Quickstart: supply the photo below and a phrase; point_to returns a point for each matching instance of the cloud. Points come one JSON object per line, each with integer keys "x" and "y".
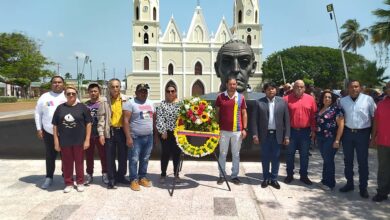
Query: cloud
{"x": 49, "y": 34}
{"x": 61, "y": 35}
{"x": 79, "y": 54}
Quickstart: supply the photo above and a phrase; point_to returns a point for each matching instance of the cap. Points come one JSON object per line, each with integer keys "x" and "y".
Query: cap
{"x": 142, "y": 86}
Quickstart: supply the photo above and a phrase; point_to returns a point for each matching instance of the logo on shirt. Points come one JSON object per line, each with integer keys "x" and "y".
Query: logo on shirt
{"x": 69, "y": 121}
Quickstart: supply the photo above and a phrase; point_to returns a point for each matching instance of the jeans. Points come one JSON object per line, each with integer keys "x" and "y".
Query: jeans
{"x": 270, "y": 152}
{"x": 359, "y": 141}
{"x": 328, "y": 153}
{"x": 235, "y": 140}
{"x": 299, "y": 140}
{"x": 169, "y": 148}
{"x": 140, "y": 152}
{"x": 117, "y": 143}
{"x": 51, "y": 154}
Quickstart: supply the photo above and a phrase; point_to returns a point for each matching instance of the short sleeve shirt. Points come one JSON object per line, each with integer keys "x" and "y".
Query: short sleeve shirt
{"x": 358, "y": 113}
{"x": 326, "y": 122}
{"x": 141, "y": 121}
{"x": 93, "y": 108}
{"x": 71, "y": 123}
{"x": 230, "y": 117}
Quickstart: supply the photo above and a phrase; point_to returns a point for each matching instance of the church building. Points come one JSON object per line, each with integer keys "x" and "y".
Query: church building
{"x": 187, "y": 59}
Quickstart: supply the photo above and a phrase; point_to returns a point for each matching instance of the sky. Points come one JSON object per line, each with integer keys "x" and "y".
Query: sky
{"x": 101, "y": 29}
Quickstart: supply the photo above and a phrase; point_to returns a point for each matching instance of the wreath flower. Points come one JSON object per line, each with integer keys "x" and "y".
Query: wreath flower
{"x": 197, "y": 118}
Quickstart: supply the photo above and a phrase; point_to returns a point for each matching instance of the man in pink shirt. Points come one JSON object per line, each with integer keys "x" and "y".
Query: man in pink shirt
{"x": 302, "y": 109}
{"x": 381, "y": 139}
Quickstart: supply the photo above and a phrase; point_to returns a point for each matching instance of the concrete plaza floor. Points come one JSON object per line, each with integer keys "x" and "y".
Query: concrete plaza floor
{"x": 198, "y": 197}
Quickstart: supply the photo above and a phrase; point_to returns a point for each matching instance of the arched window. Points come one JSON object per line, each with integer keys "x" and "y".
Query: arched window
{"x": 137, "y": 13}
{"x": 197, "y": 88}
{"x": 146, "y": 63}
{"x": 256, "y": 17}
{"x": 170, "y": 69}
{"x": 239, "y": 16}
{"x": 154, "y": 14}
{"x": 198, "y": 68}
{"x": 249, "y": 39}
{"x": 146, "y": 38}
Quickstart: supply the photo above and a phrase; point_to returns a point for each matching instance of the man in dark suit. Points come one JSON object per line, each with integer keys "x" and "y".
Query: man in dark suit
{"x": 271, "y": 129}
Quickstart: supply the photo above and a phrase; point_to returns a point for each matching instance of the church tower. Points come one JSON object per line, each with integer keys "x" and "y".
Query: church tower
{"x": 146, "y": 33}
{"x": 246, "y": 21}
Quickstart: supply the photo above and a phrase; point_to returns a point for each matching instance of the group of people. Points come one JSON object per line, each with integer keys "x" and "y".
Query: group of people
{"x": 126, "y": 128}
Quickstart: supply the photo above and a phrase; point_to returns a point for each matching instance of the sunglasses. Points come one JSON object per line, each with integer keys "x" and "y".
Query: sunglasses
{"x": 71, "y": 94}
{"x": 170, "y": 91}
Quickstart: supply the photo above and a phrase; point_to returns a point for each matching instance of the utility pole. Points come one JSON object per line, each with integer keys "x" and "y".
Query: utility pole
{"x": 90, "y": 66}
{"x": 281, "y": 64}
{"x": 331, "y": 11}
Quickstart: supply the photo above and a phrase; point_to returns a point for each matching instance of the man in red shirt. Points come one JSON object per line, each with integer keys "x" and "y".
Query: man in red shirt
{"x": 381, "y": 139}
{"x": 231, "y": 105}
{"x": 302, "y": 109}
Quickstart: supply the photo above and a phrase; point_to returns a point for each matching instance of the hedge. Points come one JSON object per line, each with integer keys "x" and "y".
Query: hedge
{"x": 8, "y": 99}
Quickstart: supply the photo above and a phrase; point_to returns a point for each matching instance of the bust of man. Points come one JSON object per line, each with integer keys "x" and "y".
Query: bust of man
{"x": 236, "y": 59}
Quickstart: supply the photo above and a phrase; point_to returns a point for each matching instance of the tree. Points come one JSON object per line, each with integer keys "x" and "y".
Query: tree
{"x": 68, "y": 76}
{"x": 21, "y": 61}
{"x": 322, "y": 65}
{"x": 353, "y": 38}
{"x": 380, "y": 32}
{"x": 369, "y": 74}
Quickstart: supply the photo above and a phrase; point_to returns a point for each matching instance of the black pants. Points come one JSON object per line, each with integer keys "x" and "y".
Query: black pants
{"x": 51, "y": 154}
{"x": 169, "y": 148}
{"x": 116, "y": 144}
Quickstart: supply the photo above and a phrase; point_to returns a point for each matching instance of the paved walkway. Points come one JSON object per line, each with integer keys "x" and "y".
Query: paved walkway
{"x": 198, "y": 197}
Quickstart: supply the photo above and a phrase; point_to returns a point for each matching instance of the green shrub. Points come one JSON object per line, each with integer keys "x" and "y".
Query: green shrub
{"x": 8, "y": 99}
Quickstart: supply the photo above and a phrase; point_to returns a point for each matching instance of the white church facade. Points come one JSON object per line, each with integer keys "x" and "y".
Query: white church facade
{"x": 187, "y": 59}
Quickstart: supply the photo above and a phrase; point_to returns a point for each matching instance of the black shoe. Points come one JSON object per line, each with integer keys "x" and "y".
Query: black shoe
{"x": 264, "y": 184}
{"x": 364, "y": 193}
{"x": 275, "y": 184}
{"x": 220, "y": 181}
{"x": 111, "y": 185}
{"x": 379, "y": 198}
{"x": 288, "y": 179}
{"x": 236, "y": 181}
{"x": 306, "y": 180}
{"x": 123, "y": 181}
{"x": 346, "y": 188}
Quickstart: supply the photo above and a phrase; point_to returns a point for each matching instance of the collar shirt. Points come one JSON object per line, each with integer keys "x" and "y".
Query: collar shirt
{"x": 271, "y": 119}
{"x": 302, "y": 111}
{"x": 227, "y": 95}
{"x": 116, "y": 108}
{"x": 358, "y": 113}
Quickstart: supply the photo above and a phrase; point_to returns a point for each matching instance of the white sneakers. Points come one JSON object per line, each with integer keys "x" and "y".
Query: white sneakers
{"x": 80, "y": 188}
{"x": 48, "y": 182}
{"x": 68, "y": 189}
{"x": 105, "y": 178}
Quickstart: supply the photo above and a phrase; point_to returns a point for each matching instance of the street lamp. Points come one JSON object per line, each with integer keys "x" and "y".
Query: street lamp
{"x": 90, "y": 66}
{"x": 331, "y": 11}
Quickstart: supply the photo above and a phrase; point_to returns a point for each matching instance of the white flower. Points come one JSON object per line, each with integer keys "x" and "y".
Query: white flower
{"x": 187, "y": 107}
{"x": 198, "y": 121}
{"x": 209, "y": 108}
{"x": 196, "y": 99}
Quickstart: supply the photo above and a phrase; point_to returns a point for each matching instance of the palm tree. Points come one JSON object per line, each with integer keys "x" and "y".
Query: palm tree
{"x": 380, "y": 33}
{"x": 353, "y": 38}
{"x": 370, "y": 74}
{"x": 68, "y": 76}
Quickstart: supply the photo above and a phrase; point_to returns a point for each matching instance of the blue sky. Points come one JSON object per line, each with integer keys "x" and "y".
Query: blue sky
{"x": 101, "y": 29}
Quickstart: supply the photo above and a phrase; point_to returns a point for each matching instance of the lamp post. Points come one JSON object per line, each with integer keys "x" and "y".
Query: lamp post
{"x": 90, "y": 66}
{"x": 77, "y": 74}
{"x": 331, "y": 11}
{"x": 281, "y": 64}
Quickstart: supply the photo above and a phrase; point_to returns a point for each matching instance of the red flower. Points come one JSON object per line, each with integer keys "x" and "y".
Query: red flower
{"x": 190, "y": 113}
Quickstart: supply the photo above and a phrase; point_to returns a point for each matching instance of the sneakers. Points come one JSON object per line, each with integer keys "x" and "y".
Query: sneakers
{"x": 306, "y": 180}
{"x": 105, "y": 178}
{"x": 324, "y": 187}
{"x": 236, "y": 181}
{"x": 48, "y": 182}
{"x": 379, "y": 198}
{"x": 220, "y": 181}
{"x": 68, "y": 189}
{"x": 80, "y": 188}
{"x": 145, "y": 182}
{"x": 135, "y": 186}
{"x": 288, "y": 179}
{"x": 162, "y": 179}
{"x": 88, "y": 179}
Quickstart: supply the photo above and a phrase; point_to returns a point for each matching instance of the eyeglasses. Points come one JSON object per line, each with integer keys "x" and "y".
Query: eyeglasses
{"x": 170, "y": 91}
{"x": 71, "y": 94}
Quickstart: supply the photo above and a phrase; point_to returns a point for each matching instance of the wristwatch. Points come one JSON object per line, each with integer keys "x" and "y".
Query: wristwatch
{"x": 245, "y": 129}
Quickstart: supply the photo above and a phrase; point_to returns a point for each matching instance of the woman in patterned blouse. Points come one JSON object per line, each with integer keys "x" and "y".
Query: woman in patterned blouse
{"x": 330, "y": 126}
{"x": 167, "y": 114}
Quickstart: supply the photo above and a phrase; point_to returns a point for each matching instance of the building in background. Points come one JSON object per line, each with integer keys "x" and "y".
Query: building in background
{"x": 187, "y": 59}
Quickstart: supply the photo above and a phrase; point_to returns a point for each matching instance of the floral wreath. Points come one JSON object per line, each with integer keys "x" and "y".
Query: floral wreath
{"x": 196, "y": 118}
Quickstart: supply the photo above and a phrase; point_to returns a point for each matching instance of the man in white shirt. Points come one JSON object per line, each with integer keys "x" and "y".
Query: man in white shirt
{"x": 359, "y": 112}
{"x": 44, "y": 111}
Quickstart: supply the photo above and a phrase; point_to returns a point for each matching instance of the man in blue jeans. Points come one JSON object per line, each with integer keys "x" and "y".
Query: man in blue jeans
{"x": 138, "y": 121}
{"x": 271, "y": 129}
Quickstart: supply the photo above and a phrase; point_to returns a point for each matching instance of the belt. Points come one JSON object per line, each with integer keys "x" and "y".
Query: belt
{"x": 271, "y": 131}
{"x": 115, "y": 128}
{"x": 298, "y": 129}
{"x": 354, "y": 130}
